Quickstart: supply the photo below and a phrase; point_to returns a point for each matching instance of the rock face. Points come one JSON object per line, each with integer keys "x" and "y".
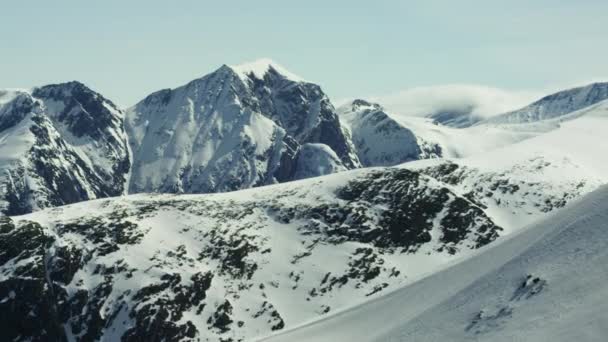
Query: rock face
{"x": 555, "y": 105}
{"x": 235, "y": 128}
{"x": 379, "y": 139}
{"x": 59, "y": 144}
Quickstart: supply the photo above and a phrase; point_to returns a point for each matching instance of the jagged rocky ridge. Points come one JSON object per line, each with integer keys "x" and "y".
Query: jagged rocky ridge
{"x": 59, "y": 144}
{"x": 235, "y": 128}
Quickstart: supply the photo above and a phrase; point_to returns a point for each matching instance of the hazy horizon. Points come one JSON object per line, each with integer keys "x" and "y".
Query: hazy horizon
{"x": 378, "y": 50}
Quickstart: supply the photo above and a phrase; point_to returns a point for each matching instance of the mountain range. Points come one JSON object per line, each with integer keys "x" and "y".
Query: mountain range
{"x": 376, "y": 212}
{"x": 235, "y": 128}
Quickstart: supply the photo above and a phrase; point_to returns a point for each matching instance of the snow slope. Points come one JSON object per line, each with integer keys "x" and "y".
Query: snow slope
{"x": 387, "y": 138}
{"x": 535, "y": 175}
{"x": 547, "y": 283}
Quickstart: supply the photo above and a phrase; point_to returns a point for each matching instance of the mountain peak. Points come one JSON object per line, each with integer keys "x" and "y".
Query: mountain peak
{"x": 261, "y": 66}
{"x": 358, "y": 105}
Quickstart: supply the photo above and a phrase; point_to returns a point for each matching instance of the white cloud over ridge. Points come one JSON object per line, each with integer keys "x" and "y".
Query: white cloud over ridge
{"x": 484, "y": 101}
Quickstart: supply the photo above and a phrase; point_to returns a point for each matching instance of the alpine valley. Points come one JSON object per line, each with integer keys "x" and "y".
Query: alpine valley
{"x": 244, "y": 206}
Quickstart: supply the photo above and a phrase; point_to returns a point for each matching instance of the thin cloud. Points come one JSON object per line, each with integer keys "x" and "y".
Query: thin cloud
{"x": 482, "y": 100}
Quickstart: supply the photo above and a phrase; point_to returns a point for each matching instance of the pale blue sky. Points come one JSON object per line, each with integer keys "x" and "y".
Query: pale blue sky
{"x": 127, "y": 49}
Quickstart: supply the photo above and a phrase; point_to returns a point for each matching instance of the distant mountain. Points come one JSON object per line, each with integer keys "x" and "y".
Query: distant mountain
{"x": 379, "y": 139}
{"x": 554, "y": 105}
{"x": 59, "y": 144}
{"x": 244, "y": 264}
{"x": 235, "y": 128}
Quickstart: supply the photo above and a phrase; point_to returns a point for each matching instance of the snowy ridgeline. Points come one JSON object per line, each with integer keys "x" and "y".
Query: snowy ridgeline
{"x": 235, "y": 128}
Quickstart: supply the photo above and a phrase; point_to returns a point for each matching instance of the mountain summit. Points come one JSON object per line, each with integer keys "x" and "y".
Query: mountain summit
{"x": 235, "y": 128}
{"x": 260, "y": 67}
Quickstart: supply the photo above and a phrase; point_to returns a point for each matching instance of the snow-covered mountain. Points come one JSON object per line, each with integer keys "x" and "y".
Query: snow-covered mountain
{"x": 243, "y": 264}
{"x": 554, "y": 105}
{"x": 379, "y": 139}
{"x": 385, "y": 138}
{"x": 547, "y": 283}
{"x": 59, "y": 144}
{"x": 238, "y": 127}
{"x": 235, "y": 128}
